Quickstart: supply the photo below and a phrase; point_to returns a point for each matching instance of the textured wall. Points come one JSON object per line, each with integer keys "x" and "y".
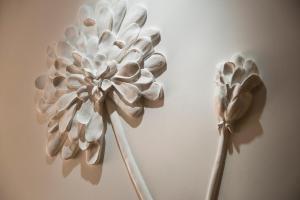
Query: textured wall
{"x": 174, "y": 145}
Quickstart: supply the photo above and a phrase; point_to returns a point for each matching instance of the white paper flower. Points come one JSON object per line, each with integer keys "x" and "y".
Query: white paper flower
{"x": 236, "y": 81}
{"x": 107, "y": 54}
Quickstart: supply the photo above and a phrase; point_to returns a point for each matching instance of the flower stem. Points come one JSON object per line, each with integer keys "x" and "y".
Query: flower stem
{"x": 133, "y": 171}
{"x": 218, "y": 167}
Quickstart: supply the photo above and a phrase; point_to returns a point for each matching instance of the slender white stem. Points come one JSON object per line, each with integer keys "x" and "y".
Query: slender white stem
{"x": 130, "y": 163}
{"x": 218, "y": 167}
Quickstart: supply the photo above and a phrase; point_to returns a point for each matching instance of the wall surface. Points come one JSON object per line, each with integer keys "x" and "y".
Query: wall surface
{"x": 174, "y": 145}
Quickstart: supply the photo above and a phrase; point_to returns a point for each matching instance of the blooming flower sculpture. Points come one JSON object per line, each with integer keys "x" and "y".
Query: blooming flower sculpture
{"x": 106, "y": 56}
{"x": 236, "y": 81}
{"x": 99, "y": 58}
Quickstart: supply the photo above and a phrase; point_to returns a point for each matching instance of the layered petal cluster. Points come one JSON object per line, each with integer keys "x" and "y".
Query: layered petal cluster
{"x": 107, "y": 54}
{"x": 236, "y": 81}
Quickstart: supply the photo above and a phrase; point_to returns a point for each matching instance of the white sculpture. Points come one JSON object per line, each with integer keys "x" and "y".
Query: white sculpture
{"x": 236, "y": 81}
{"x": 106, "y": 61}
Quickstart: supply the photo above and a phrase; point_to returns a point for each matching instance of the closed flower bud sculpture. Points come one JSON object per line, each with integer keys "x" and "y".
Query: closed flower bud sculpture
{"x": 235, "y": 83}
{"x": 105, "y": 65}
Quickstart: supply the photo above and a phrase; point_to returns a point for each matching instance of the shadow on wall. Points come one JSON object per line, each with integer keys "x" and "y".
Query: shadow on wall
{"x": 134, "y": 114}
{"x": 90, "y": 173}
{"x": 93, "y": 173}
{"x": 249, "y": 127}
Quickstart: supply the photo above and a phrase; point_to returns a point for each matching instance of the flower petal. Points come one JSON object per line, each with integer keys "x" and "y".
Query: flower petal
{"x": 84, "y": 12}
{"x": 106, "y": 85}
{"x": 220, "y": 100}
{"x": 238, "y": 60}
{"x": 100, "y": 65}
{"x": 237, "y": 76}
{"x": 137, "y": 14}
{"x": 227, "y": 71}
{"x": 237, "y": 108}
{"x": 130, "y": 72}
{"x": 81, "y": 43}
{"x": 51, "y": 54}
{"x": 83, "y": 93}
{"x": 112, "y": 66}
{"x": 133, "y": 55}
{"x": 250, "y": 67}
{"x": 145, "y": 80}
{"x": 83, "y": 145}
{"x": 75, "y": 81}
{"x": 73, "y": 133}
{"x": 144, "y": 45}
{"x": 50, "y": 94}
{"x": 124, "y": 109}
{"x": 41, "y": 81}
{"x": 45, "y": 109}
{"x": 94, "y": 151}
{"x": 88, "y": 67}
{"x": 156, "y": 64}
{"x": 154, "y": 93}
{"x": 129, "y": 34}
{"x": 77, "y": 56}
{"x": 106, "y": 40}
{"x": 65, "y": 121}
{"x": 57, "y": 81}
{"x": 250, "y": 83}
{"x": 61, "y": 63}
{"x": 52, "y": 125}
{"x": 99, "y": 59}
{"x": 64, "y": 50}
{"x": 65, "y": 101}
{"x": 54, "y": 143}
{"x": 69, "y": 150}
{"x": 104, "y": 16}
{"x": 106, "y": 45}
{"x": 84, "y": 114}
{"x": 92, "y": 46}
{"x": 228, "y": 68}
{"x": 95, "y": 128}
{"x": 152, "y": 33}
{"x": 113, "y": 53}
{"x": 127, "y": 92}
{"x": 71, "y": 34}
{"x": 89, "y": 22}
{"x": 73, "y": 69}
{"x": 119, "y": 9}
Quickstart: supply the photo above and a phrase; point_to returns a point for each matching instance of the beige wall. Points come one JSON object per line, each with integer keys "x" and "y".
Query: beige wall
{"x": 174, "y": 145}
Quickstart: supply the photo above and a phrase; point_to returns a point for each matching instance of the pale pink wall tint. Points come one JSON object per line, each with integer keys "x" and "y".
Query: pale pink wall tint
{"x": 174, "y": 145}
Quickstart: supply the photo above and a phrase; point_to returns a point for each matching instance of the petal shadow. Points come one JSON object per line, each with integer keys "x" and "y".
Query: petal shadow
{"x": 90, "y": 173}
{"x": 248, "y": 128}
